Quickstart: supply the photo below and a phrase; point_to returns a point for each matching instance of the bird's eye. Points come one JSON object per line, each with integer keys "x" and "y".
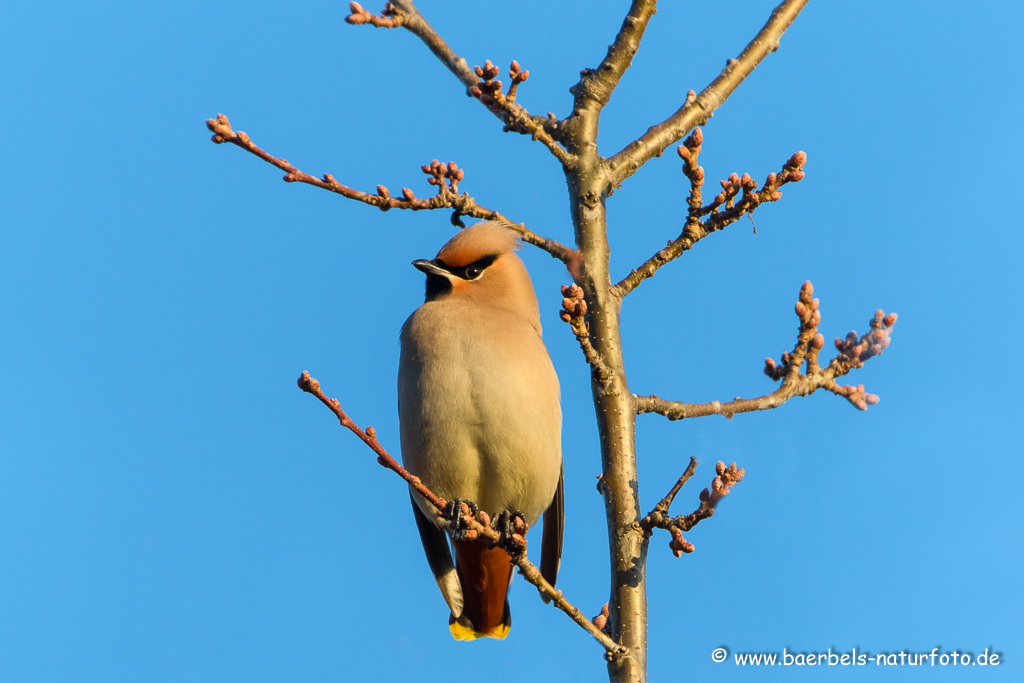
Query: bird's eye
{"x": 473, "y": 272}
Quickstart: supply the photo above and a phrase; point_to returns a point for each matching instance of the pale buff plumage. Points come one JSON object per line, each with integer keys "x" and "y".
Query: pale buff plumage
{"x": 480, "y": 416}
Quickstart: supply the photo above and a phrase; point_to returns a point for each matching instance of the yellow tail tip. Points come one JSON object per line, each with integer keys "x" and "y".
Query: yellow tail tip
{"x": 462, "y": 629}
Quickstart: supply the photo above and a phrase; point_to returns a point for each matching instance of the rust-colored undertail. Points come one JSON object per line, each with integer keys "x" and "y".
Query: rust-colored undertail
{"x": 485, "y": 574}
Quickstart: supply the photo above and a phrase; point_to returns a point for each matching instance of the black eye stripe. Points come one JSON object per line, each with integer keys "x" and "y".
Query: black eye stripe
{"x": 469, "y": 272}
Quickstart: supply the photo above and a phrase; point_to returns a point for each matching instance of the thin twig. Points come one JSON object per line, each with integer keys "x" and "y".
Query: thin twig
{"x": 445, "y": 176}
{"x": 699, "y": 108}
{"x": 403, "y": 13}
{"x": 472, "y": 527}
{"x": 665, "y": 503}
{"x": 721, "y": 485}
{"x": 853, "y": 352}
{"x": 516, "y": 119}
{"x": 739, "y": 196}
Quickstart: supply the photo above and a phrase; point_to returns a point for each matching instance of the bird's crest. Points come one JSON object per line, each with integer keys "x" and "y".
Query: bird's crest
{"x": 476, "y": 242}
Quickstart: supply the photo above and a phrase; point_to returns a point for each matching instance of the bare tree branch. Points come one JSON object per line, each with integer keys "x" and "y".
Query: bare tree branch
{"x": 515, "y": 117}
{"x": 699, "y": 108}
{"x": 445, "y": 176}
{"x": 723, "y": 210}
{"x": 595, "y": 87}
{"x": 658, "y": 518}
{"x": 853, "y": 352}
{"x": 403, "y": 13}
{"x": 470, "y": 527}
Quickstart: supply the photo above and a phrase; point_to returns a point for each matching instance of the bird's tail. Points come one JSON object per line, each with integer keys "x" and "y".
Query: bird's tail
{"x": 485, "y": 574}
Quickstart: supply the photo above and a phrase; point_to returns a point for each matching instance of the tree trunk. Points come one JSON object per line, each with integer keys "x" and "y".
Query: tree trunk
{"x": 616, "y": 419}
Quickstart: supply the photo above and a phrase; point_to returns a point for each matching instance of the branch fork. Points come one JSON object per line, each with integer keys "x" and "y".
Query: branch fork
{"x": 739, "y": 196}
{"x": 726, "y": 477}
{"x": 516, "y": 119}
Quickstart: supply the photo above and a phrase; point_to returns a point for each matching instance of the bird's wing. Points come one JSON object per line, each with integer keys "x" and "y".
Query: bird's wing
{"x": 439, "y": 557}
{"x": 551, "y": 541}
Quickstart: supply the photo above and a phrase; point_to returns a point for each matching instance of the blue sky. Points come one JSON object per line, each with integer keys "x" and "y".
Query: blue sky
{"x": 171, "y": 506}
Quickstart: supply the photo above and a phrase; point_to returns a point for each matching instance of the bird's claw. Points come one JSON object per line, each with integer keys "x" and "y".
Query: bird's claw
{"x": 453, "y": 514}
{"x": 508, "y": 523}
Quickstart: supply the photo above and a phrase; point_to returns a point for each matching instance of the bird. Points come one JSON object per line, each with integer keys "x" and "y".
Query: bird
{"x": 480, "y": 418}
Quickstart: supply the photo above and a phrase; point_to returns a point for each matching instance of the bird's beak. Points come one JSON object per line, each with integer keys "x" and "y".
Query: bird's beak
{"x": 430, "y": 268}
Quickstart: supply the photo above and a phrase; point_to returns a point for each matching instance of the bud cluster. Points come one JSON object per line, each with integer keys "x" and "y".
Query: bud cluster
{"x": 726, "y": 477}
{"x": 739, "y": 195}
{"x": 871, "y": 344}
{"x": 688, "y": 152}
{"x": 809, "y": 341}
{"x": 445, "y": 176}
{"x": 854, "y": 350}
{"x": 574, "y": 308}
{"x": 488, "y": 90}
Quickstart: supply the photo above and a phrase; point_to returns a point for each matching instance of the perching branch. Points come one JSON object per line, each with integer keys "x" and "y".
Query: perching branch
{"x": 853, "y": 352}
{"x": 658, "y": 518}
{"x": 699, "y": 108}
{"x": 723, "y": 210}
{"x": 445, "y": 177}
{"x": 469, "y": 527}
{"x": 403, "y": 13}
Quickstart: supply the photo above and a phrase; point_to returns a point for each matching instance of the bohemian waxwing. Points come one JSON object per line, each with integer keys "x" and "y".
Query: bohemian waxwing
{"x": 480, "y": 418}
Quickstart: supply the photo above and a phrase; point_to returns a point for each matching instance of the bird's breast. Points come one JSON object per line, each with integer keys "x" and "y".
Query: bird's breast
{"x": 479, "y": 409}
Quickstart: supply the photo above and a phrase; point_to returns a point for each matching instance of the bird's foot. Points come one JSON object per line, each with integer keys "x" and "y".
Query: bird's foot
{"x": 453, "y": 514}
{"x": 512, "y": 527}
